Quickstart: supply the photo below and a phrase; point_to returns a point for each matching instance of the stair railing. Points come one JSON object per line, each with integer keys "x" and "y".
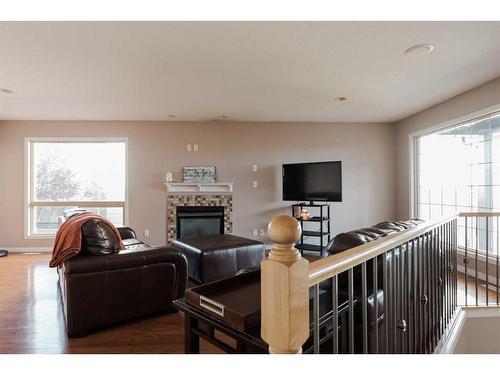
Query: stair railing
{"x": 396, "y": 294}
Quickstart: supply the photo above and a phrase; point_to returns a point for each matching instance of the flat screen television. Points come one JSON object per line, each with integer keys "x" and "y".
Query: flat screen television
{"x": 320, "y": 181}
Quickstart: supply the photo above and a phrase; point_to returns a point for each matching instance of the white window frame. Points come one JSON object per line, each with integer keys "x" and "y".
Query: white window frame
{"x": 412, "y": 142}
{"x": 29, "y": 201}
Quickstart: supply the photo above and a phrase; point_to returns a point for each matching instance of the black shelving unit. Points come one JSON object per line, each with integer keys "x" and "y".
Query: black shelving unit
{"x": 320, "y": 230}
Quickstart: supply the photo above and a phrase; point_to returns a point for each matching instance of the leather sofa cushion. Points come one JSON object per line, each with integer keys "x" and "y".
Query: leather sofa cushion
{"x": 345, "y": 241}
{"x": 98, "y": 238}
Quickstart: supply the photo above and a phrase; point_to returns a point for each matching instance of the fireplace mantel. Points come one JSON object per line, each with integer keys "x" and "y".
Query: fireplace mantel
{"x": 196, "y": 187}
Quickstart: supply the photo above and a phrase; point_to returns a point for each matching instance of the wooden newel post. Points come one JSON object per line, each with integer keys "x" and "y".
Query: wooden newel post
{"x": 284, "y": 289}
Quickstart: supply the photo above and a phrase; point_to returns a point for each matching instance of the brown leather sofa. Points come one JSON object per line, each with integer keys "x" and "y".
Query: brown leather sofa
{"x": 103, "y": 285}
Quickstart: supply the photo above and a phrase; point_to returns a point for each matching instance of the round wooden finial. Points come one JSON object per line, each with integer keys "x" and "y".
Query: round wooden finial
{"x": 284, "y": 231}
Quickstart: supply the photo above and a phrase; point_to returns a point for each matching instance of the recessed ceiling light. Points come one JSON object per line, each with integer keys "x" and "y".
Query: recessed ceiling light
{"x": 419, "y": 50}
{"x": 340, "y": 99}
{"x": 6, "y": 91}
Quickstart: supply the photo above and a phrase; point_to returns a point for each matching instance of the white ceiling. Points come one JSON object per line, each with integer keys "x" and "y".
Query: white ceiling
{"x": 248, "y": 71}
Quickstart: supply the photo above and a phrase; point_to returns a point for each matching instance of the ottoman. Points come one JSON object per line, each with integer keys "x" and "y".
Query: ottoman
{"x": 213, "y": 258}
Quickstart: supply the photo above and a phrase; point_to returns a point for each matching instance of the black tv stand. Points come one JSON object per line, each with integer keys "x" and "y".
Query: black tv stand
{"x": 319, "y": 230}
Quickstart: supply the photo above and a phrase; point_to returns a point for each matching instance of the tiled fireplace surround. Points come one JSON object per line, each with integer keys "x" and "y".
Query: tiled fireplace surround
{"x": 197, "y": 200}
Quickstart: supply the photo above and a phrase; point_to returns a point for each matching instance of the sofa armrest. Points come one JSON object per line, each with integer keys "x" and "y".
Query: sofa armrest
{"x": 126, "y": 233}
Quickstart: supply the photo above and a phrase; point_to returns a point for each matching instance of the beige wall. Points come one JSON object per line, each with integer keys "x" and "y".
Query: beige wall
{"x": 367, "y": 152}
{"x": 477, "y": 99}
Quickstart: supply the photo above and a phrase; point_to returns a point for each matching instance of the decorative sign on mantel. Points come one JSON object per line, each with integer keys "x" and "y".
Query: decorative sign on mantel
{"x": 206, "y": 175}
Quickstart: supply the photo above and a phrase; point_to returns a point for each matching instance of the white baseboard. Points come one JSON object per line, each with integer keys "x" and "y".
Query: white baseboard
{"x": 449, "y": 340}
{"x": 27, "y": 249}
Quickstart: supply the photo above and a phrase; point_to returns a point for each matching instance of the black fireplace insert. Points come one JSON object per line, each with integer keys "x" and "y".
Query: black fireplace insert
{"x": 194, "y": 221}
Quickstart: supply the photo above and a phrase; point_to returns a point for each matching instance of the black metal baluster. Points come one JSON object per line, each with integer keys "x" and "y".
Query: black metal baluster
{"x": 430, "y": 286}
{"x": 432, "y": 297}
{"x": 454, "y": 271}
{"x": 452, "y": 268}
{"x": 335, "y": 315}
{"x": 394, "y": 301}
{"x": 425, "y": 297}
{"x": 437, "y": 287}
{"x": 350, "y": 292}
{"x": 440, "y": 283}
{"x": 385, "y": 286}
{"x": 415, "y": 304}
{"x": 433, "y": 286}
{"x": 408, "y": 296}
{"x": 364, "y": 298}
{"x": 316, "y": 318}
{"x": 375, "y": 301}
{"x": 453, "y": 262}
{"x": 449, "y": 269}
{"x": 421, "y": 293}
{"x": 443, "y": 275}
{"x": 450, "y": 260}
{"x": 416, "y": 295}
{"x": 447, "y": 273}
{"x": 437, "y": 273}
{"x": 400, "y": 298}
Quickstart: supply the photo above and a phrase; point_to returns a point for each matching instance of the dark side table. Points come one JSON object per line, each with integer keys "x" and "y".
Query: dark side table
{"x": 198, "y": 324}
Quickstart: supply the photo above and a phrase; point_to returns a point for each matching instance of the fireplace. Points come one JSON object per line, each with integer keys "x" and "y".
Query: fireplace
{"x": 194, "y": 221}
{"x": 199, "y": 200}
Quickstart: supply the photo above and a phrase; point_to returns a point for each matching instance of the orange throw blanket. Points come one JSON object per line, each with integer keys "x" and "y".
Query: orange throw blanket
{"x": 69, "y": 238}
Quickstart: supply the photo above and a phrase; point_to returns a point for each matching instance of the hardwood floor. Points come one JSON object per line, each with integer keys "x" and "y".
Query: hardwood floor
{"x": 32, "y": 320}
{"x": 471, "y": 292}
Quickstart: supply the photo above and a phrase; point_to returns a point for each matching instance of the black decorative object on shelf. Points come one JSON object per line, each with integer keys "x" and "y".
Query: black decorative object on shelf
{"x": 320, "y": 230}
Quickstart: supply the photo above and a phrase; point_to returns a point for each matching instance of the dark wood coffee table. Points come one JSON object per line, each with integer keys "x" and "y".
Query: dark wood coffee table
{"x": 226, "y": 313}
{"x": 198, "y": 324}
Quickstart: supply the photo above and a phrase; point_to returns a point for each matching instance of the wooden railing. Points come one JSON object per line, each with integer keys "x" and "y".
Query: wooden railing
{"x": 397, "y": 294}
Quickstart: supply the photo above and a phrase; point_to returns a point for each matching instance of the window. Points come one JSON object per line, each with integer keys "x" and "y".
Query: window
{"x": 65, "y": 173}
{"x": 458, "y": 169}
